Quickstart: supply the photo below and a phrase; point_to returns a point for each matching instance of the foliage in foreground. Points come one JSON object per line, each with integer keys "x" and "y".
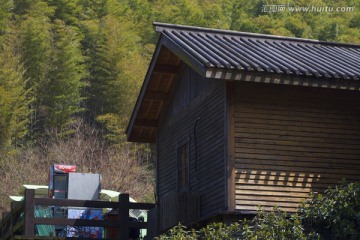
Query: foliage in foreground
{"x": 334, "y": 214}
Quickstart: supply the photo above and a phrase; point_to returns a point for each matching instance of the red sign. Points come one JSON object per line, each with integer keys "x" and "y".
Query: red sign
{"x": 60, "y": 168}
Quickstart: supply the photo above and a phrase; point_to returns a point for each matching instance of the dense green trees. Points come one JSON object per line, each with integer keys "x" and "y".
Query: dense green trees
{"x": 88, "y": 58}
{"x": 54, "y": 66}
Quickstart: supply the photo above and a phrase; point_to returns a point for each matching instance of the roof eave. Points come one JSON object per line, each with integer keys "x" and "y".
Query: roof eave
{"x": 142, "y": 91}
{"x": 164, "y": 41}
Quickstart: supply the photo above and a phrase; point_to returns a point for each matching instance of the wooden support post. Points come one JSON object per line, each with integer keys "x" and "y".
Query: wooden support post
{"x": 230, "y": 170}
{"x": 29, "y": 214}
{"x": 13, "y": 219}
{"x": 123, "y": 216}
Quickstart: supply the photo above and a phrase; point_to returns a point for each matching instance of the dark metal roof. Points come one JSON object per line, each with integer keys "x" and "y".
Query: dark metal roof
{"x": 239, "y": 56}
{"x": 230, "y": 50}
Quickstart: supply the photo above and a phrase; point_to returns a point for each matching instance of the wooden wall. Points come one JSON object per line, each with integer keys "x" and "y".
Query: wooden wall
{"x": 202, "y": 99}
{"x": 290, "y": 140}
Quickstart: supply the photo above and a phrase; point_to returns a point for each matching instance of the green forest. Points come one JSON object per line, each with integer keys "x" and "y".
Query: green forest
{"x": 70, "y": 72}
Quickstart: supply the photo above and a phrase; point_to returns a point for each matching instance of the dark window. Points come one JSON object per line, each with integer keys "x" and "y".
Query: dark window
{"x": 183, "y": 167}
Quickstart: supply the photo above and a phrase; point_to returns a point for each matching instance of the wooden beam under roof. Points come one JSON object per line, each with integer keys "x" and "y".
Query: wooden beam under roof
{"x": 156, "y": 96}
{"x": 145, "y": 123}
{"x": 164, "y": 68}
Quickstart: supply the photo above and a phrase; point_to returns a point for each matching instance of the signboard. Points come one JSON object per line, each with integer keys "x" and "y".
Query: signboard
{"x": 61, "y": 168}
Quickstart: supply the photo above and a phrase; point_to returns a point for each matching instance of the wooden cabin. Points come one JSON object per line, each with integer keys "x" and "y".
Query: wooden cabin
{"x": 242, "y": 120}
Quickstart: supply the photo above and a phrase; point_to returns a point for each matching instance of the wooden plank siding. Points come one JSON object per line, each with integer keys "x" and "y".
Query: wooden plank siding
{"x": 195, "y": 116}
{"x": 290, "y": 140}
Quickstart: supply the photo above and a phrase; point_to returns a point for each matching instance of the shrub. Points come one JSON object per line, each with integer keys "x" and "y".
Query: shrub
{"x": 276, "y": 225}
{"x": 337, "y": 211}
{"x": 335, "y": 214}
{"x": 178, "y": 232}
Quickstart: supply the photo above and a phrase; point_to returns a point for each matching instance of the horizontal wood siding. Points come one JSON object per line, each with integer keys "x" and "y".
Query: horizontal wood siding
{"x": 203, "y": 99}
{"x": 181, "y": 207}
{"x": 290, "y": 140}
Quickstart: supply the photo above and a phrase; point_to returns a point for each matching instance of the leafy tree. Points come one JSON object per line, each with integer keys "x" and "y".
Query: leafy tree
{"x": 63, "y": 98}
{"x": 141, "y": 15}
{"x": 180, "y": 12}
{"x": 329, "y": 32}
{"x": 350, "y": 35}
{"x": 98, "y": 67}
{"x": 297, "y": 27}
{"x": 117, "y": 71}
{"x": 14, "y": 98}
{"x": 5, "y": 12}
{"x": 66, "y": 10}
{"x": 36, "y": 46}
{"x": 91, "y": 10}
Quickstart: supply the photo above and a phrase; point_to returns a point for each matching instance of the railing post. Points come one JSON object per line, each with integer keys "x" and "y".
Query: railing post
{"x": 29, "y": 213}
{"x": 123, "y": 216}
{"x": 13, "y": 219}
{"x": 3, "y": 225}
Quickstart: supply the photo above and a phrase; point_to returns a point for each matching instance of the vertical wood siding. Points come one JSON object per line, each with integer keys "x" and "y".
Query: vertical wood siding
{"x": 290, "y": 140}
{"x": 194, "y": 98}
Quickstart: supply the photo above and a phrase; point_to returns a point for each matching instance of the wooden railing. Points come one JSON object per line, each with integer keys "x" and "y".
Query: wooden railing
{"x": 22, "y": 221}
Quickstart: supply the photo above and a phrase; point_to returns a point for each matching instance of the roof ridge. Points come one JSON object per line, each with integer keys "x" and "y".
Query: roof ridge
{"x": 160, "y": 27}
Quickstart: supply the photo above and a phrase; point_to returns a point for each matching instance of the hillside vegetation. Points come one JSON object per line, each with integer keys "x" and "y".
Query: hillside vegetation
{"x": 70, "y": 72}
